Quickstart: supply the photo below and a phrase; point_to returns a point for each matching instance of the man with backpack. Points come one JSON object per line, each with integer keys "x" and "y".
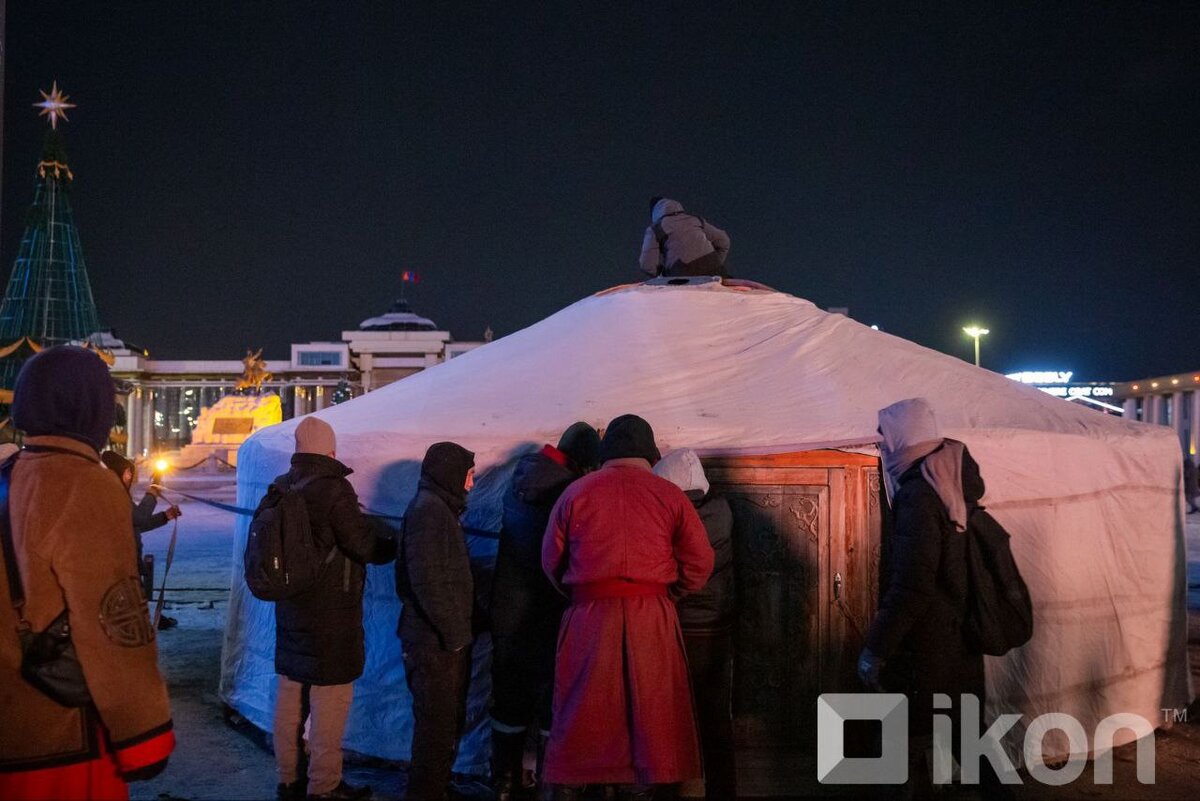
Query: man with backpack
{"x": 326, "y": 541}
{"x": 677, "y": 243}
{"x": 920, "y": 642}
{"x": 434, "y": 582}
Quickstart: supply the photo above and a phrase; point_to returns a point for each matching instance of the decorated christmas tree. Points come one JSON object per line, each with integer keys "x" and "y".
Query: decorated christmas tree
{"x": 49, "y": 299}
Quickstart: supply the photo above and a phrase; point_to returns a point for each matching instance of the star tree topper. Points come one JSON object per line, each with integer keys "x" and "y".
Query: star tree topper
{"x": 54, "y": 105}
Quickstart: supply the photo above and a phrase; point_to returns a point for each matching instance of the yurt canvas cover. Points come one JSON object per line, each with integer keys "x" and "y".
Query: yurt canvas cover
{"x": 1092, "y": 502}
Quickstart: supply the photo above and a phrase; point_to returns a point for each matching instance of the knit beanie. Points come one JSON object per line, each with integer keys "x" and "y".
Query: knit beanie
{"x": 314, "y": 435}
{"x": 65, "y": 391}
{"x": 581, "y": 444}
{"x": 116, "y": 463}
{"x": 629, "y": 436}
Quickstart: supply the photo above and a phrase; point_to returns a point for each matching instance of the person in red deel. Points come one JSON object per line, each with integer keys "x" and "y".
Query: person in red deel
{"x": 623, "y": 545}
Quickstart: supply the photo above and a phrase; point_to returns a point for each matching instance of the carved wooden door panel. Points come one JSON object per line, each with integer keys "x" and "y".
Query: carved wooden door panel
{"x": 778, "y": 551}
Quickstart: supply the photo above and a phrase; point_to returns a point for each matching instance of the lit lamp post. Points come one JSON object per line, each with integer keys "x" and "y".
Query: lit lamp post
{"x": 975, "y": 332}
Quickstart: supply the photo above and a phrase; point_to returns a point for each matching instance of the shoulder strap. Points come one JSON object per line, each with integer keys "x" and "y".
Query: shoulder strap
{"x": 56, "y": 449}
{"x": 16, "y": 588}
{"x": 661, "y": 236}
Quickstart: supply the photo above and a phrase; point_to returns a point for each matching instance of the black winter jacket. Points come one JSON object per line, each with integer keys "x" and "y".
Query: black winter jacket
{"x": 319, "y": 634}
{"x": 524, "y": 602}
{"x": 145, "y": 518}
{"x": 433, "y": 569}
{"x": 711, "y": 610}
{"x": 919, "y": 623}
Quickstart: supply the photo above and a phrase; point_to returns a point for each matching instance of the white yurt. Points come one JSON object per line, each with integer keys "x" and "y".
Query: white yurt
{"x": 781, "y": 399}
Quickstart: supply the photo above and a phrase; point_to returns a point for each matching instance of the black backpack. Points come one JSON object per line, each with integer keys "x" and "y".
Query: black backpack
{"x": 999, "y": 614}
{"x": 282, "y": 557}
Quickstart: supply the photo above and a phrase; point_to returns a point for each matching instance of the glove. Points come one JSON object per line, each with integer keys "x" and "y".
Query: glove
{"x": 869, "y": 668}
{"x": 173, "y": 512}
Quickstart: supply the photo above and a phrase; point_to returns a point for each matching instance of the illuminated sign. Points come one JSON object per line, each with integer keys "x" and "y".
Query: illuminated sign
{"x": 1058, "y": 383}
{"x": 1041, "y": 377}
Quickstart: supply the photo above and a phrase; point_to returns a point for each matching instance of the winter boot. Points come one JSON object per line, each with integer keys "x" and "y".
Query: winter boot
{"x": 508, "y": 752}
{"x": 343, "y": 792}
{"x": 296, "y": 791}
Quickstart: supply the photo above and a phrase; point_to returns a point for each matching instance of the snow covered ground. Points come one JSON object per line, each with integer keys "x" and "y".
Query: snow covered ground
{"x": 217, "y": 761}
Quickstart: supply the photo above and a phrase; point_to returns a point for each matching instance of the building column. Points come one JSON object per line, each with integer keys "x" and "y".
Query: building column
{"x": 133, "y": 422}
{"x": 365, "y": 364}
{"x": 1193, "y": 447}
{"x": 147, "y": 421}
{"x": 1177, "y": 416}
{"x": 1130, "y": 408}
{"x": 320, "y": 398}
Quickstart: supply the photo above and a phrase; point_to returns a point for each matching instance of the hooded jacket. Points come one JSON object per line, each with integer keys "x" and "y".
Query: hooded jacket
{"x": 433, "y": 568}
{"x": 687, "y": 239}
{"x": 522, "y": 597}
{"x": 709, "y": 610}
{"x": 319, "y": 633}
{"x": 924, "y": 586}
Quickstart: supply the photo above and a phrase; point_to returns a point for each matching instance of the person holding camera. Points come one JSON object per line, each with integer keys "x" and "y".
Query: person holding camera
{"x": 144, "y": 517}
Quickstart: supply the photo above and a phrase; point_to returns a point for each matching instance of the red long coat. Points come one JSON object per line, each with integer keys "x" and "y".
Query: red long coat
{"x": 622, "y": 700}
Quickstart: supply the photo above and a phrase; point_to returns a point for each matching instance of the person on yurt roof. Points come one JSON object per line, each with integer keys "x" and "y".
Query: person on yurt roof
{"x": 678, "y": 243}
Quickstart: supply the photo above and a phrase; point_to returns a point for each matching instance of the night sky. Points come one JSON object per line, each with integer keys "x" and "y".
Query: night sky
{"x": 261, "y": 176}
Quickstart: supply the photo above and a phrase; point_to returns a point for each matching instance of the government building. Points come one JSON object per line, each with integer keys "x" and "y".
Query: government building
{"x": 162, "y": 399}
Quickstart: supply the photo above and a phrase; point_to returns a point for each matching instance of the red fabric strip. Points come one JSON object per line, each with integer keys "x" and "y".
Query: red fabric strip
{"x": 156, "y": 749}
{"x": 555, "y": 454}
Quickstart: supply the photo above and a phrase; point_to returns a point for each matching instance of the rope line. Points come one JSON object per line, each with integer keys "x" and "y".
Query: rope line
{"x": 244, "y": 512}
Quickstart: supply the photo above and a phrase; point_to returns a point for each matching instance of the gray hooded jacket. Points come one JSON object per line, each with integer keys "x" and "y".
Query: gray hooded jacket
{"x": 688, "y": 238}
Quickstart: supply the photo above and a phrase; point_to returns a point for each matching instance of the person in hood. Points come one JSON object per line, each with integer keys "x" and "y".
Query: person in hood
{"x": 319, "y": 640}
{"x": 678, "y": 243}
{"x": 68, "y": 541}
{"x": 526, "y": 608}
{"x": 707, "y": 618}
{"x": 434, "y": 582}
{"x": 623, "y": 545}
{"x": 144, "y": 517}
{"x": 916, "y": 643}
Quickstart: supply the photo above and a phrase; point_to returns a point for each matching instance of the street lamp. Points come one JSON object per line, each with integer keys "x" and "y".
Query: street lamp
{"x": 975, "y": 332}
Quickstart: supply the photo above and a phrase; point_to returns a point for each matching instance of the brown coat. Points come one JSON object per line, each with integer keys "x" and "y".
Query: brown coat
{"x": 74, "y": 542}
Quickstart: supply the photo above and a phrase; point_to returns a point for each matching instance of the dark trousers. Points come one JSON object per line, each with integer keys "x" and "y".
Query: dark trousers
{"x": 438, "y": 682}
{"x": 709, "y": 264}
{"x": 710, "y": 663}
{"x": 523, "y": 679}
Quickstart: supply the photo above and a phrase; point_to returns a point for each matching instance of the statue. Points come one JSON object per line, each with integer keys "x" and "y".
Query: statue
{"x": 255, "y": 373}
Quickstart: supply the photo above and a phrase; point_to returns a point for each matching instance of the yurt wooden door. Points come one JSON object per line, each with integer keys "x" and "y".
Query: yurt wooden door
{"x": 806, "y": 553}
